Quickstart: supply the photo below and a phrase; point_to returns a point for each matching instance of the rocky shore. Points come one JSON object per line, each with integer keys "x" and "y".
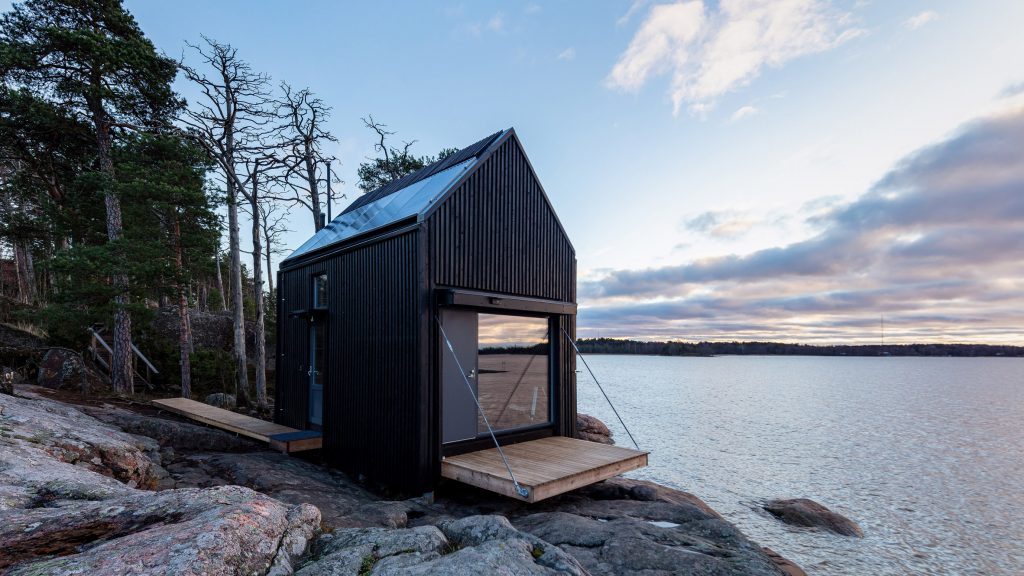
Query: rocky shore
{"x": 119, "y": 489}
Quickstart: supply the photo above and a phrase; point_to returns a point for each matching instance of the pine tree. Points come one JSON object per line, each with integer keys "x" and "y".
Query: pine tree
{"x": 164, "y": 177}
{"x": 92, "y": 58}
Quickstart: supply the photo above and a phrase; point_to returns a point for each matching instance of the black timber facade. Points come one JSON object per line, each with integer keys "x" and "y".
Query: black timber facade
{"x": 491, "y": 243}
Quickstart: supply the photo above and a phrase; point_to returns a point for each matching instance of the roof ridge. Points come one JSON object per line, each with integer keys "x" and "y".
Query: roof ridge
{"x": 463, "y": 154}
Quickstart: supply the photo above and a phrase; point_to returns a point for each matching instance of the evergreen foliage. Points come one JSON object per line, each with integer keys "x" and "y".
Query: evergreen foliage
{"x": 110, "y": 195}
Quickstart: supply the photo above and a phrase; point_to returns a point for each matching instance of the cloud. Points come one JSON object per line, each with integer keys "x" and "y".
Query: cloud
{"x": 1012, "y": 90}
{"x": 496, "y": 23}
{"x": 569, "y": 54}
{"x": 744, "y": 112}
{"x": 935, "y": 245}
{"x": 708, "y": 52}
{"x": 634, "y": 8}
{"x": 532, "y": 8}
{"x": 720, "y": 224}
{"x": 919, "y": 20}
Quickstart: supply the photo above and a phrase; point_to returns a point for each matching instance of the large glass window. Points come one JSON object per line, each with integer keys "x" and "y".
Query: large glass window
{"x": 514, "y": 381}
{"x": 320, "y": 291}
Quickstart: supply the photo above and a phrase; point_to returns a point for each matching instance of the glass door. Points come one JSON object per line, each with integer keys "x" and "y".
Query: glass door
{"x": 317, "y": 362}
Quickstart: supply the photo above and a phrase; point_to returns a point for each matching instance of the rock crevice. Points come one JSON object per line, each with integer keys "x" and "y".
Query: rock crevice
{"x": 107, "y": 490}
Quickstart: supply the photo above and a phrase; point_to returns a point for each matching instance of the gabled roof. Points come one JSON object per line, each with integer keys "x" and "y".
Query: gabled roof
{"x": 411, "y": 195}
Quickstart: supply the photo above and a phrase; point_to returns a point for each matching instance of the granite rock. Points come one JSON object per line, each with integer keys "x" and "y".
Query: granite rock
{"x": 591, "y": 429}
{"x": 808, "y": 513}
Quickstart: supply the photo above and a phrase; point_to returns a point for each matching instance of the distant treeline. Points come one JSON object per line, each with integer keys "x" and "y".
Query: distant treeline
{"x": 616, "y": 346}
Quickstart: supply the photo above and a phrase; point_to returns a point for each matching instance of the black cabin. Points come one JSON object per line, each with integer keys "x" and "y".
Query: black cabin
{"x": 466, "y": 252}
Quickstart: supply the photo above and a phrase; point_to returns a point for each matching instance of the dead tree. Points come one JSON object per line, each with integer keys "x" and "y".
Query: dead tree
{"x": 273, "y": 223}
{"x": 394, "y": 163}
{"x": 226, "y": 120}
{"x": 304, "y": 117}
{"x": 220, "y": 278}
{"x": 259, "y": 172}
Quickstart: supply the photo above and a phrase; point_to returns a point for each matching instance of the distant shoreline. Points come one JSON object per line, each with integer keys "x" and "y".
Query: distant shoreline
{"x": 672, "y": 348}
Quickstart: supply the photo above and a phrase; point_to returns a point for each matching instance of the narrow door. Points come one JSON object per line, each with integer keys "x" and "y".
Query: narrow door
{"x": 458, "y": 409}
{"x": 317, "y": 361}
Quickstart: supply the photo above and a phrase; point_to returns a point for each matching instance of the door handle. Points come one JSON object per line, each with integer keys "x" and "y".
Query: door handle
{"x": 472, "y": 373}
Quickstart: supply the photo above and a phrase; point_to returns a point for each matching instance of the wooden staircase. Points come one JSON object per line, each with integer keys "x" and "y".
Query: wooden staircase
{"x": 102, "y": 353}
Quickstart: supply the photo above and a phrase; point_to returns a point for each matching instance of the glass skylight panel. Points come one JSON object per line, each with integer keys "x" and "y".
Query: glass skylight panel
{"x": 409, "y": 201}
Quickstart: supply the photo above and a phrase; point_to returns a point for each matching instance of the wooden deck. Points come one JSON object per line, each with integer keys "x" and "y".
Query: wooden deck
{"x": 546, "y": 467}
{"x": 280, "y": 437}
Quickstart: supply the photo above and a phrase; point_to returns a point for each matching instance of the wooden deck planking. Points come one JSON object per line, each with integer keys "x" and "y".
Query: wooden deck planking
{"x": 547, "y": 467}
{"x": 232, "y": 421}
{"x": 297, "y": 441}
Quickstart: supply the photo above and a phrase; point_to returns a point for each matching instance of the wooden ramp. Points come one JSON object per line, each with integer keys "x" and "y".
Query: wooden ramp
{"x": 279, "y": 437}
{"x": 546, "y": 467}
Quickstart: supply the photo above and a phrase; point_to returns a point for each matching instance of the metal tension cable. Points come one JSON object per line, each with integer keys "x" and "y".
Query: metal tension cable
{"x": 599, "y": 387}
{"x": 524, "y": 492}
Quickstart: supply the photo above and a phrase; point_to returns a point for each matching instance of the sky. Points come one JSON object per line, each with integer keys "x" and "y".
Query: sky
{"x": 787, "y": 170}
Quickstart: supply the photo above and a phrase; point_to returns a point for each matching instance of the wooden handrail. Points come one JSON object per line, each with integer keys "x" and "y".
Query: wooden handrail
{"x": 135, "y": 349}
{"x": 144, "y": 359}
{"x": 97, "y": 336}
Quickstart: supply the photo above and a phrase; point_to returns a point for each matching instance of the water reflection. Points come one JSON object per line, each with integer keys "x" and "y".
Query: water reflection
{"x": 926, "y": 454}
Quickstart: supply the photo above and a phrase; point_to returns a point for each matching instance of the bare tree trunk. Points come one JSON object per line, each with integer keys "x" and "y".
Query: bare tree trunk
{"x": 305, "y": 115}
{"x": 184, "y": 325}
{"x": 314, "y": 192}
{"x": 26, "y": 272}
{"x": 257, "y": 286}
{"x": 220, "y": 283}
{"x": 3, "y": 286}
{"x": 270, "y": 270}
{"x": 229, "y": 120}
{"x": 20, "y": 272}
{"x": 30, "y": 268}
{"x": 237, "y": 305}
{"x": 121, "y": 375}
{"x": 203, "y": 295}
{"x": 48, "y": 280}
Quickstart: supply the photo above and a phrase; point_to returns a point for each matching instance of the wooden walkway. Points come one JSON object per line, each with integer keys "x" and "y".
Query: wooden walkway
{"x": 279, "y": 437}
{"x": 546, "y": 467}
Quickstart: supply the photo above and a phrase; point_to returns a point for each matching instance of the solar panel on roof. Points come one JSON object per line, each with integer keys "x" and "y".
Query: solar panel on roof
{"x": 403, "y": 198}
{"x": 462, "y": 155}
{"x": 407, "y": 202}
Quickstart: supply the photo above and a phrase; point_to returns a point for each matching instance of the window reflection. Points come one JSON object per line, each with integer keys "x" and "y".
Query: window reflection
{"x": 513, "y": 379}
{"x": 320, "y": 291}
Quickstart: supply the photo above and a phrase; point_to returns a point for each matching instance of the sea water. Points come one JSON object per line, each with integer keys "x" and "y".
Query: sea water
{"x": 926, "y": 454}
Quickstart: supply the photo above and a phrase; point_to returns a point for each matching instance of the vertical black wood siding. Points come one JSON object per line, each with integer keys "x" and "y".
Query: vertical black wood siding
{"x": 374, "y": 396}
{"x": 291, "y": 392}
{"x": 497, "y": 233}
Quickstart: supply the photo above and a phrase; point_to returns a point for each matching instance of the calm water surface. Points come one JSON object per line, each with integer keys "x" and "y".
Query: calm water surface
{"x": 926, "y": 454}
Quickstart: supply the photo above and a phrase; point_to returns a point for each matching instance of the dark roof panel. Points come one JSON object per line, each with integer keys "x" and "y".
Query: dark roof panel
{"x": 471, "y": 151}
